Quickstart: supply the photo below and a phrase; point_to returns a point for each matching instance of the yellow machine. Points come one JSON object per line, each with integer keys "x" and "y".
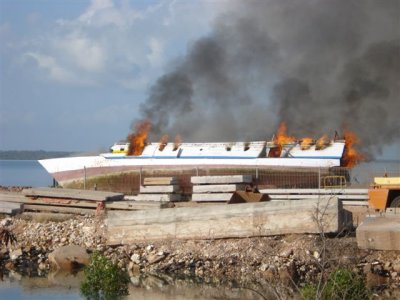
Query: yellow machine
{"x": 384, "y": 193}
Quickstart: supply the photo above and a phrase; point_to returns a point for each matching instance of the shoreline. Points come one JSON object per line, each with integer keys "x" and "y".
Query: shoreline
{"x": 286, "y": 261}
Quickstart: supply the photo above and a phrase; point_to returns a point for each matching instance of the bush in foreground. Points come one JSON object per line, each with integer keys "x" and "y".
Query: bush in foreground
{"x": 103, "y": 279}
{"x": 341, "y": 284}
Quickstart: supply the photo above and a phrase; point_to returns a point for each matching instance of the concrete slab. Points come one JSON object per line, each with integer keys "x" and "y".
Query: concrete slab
{"x": 225, "y": 221}
{"x": 221, "y": 179}
{"x": 159, "y": 189}
{"x": 218, "y": 188}
{"x": 157, "y": 197}
{"x": 212, "y": 197}
{"x": 379, "y": 233}
{"x": 160, "y": 181}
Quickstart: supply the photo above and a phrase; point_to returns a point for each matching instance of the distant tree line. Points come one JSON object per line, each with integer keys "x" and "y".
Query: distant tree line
{"x": 32, "y": 155}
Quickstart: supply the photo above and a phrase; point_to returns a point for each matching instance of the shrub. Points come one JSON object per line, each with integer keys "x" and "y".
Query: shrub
{"x": 103, "y": 279}
{"x": 341, "y": 284}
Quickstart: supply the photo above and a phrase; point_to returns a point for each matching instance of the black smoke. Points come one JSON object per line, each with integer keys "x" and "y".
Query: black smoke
{"x": 316, "y": 65}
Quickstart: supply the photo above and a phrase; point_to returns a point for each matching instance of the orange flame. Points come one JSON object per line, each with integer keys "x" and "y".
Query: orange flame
{"x": 138, "y": 138}
{"x": 306, "y": 143}
{"x": 163, "y": 142}
{"x": 177, "y": 142}
{"x": 351, "y": 156}
{"x": 322, "y": 142}
{"x": 281, "y": 137}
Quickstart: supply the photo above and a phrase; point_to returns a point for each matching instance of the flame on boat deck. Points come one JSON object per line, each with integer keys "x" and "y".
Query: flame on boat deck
{"x": 281, "y": 141}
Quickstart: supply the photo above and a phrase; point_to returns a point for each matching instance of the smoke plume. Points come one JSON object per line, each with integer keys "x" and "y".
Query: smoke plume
{"x": 316, "y": 65}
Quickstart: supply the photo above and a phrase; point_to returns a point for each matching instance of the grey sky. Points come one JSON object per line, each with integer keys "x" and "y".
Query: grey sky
{"x": 74, "y": 75}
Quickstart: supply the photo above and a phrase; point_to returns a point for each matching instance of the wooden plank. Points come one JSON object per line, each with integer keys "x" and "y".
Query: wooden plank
{"x": 160, "y": 181}
{"x": 212, "y": 197}
{"x": 379, "y": 233}
{"x": 72, "y": 194}
{"x": 224, "y": 221}
{"x": 221, "y": 179}
{"x": 62, "y": 209}
{"x": 158, "y": 197}
{"x": 218, "y": 188}
{"x": 54, "y": 201}
{"x": 10, "y": 208}
{"x": 160, "y": 189}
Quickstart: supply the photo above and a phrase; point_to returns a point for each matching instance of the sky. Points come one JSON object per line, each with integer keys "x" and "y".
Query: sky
{"x": 73, "y": 72}
{"x": 77, "y": 75}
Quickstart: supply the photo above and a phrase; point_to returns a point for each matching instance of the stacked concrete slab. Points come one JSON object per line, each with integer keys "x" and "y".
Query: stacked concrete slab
{"x": 218, "y": 188}
{"x": 163, "y": 189}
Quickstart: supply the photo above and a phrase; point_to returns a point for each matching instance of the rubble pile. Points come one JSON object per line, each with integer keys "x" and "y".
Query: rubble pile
{"x": 286, "y": 259}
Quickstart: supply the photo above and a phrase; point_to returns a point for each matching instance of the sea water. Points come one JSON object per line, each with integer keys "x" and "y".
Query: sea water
{"x": 23, "y": 173}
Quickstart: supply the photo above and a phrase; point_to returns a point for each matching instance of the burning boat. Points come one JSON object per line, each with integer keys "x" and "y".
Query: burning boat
{"x": 136, "y": 158}
{"x": 167, "y": 156}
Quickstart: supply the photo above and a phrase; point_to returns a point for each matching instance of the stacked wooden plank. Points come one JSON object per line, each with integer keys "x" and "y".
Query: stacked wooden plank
{"x": 159, "y": 189}
{"x": 69, "y": 201}
{"x": 218, "y": 188}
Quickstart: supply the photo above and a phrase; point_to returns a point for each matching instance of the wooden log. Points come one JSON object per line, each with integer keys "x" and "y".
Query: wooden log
{"x": 160, "y": 181}
{"x": 221, "y": 179}
{"x": 61, "y": 209}
{"x": 159, "y": 189}
{"x": 212, "y": 197}
{"x": 225, "y": 221}
{"x": 72, "y": 194}
{"x": 218, "y": 188}
{"x": 379, "y": 233}
{"x": 10, "y": 208}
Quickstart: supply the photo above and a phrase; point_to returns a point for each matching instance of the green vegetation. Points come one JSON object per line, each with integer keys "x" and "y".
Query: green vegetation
{"x": 341, "y": 284}
{"x": 32, "y": 155}
{"x": 103, "y": 279}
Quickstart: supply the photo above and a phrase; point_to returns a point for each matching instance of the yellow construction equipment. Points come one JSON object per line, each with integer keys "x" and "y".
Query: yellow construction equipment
{"x": 384, "y": 193}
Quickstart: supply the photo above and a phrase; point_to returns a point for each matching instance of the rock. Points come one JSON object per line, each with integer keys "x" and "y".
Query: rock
{"x": 373, "y": 280}
{"x": 152, "y": 259}
{"x": 69, "y": 257}
{"x": 15, "y": 254}
{"x": 396, "y": 267}
{"x": 149, "y": 248}
{"x": 263, "y": 267}
{"x": 42, "y": 266}
{"x": 9, "y": 265}
{"x": 6, "y": 222}
{"x": 286, "y": 253}
{"x": 367, "y": 268}
{"x": 135, "y": 258}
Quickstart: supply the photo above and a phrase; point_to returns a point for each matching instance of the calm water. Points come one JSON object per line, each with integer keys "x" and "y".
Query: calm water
{"x": 23, "y": 173}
